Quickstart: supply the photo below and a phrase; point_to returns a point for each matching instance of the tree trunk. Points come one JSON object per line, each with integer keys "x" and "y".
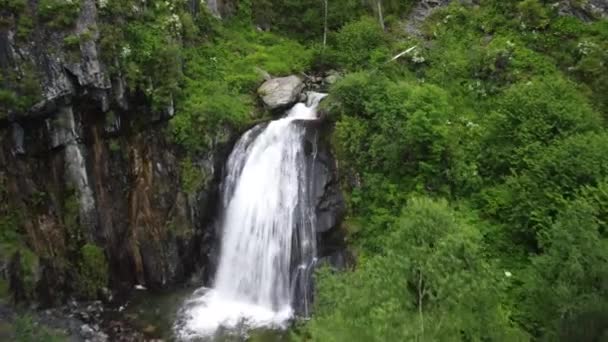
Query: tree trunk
{"x": 380, "y": 17}
{"x": 325, "y": 24}
{"x": 420, "y": 297}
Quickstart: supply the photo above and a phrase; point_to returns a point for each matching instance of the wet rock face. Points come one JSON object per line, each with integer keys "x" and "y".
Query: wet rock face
{"x": 329, "y": 203}
{"x": 122, "y": 191}
{"x": 325, "y": 194}
{"x": 62, "y": 74}
{"x": 91, "y": 163}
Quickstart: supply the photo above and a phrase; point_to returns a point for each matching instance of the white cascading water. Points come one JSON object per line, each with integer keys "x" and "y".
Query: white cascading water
{"x": 268, "y": 242}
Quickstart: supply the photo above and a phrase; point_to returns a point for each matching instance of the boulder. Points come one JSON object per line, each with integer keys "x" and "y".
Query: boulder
{"x": 586, "y": 11}
{"x": 331, "y": 79}
{"x": 421, "y": 11}
{"x": 281, "y": 92}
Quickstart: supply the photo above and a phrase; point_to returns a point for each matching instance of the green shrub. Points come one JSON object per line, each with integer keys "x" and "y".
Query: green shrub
{"x": 528, "y": 117}
{"x": 530, "y": 201}
{"x": 25, "y": 26}
{"x": 399, "y": 129}
{"x": 533, "y": 14}
{"x": 152, "y": 62}
{"x": 70, "y": 218}
{"x": 566, "y": 296}
{"x": 27, "y": 270}
{"x": 21, "y": 90}
{"x": 92, "y": 271}
{"x": 192, "y": 177}
{"x": 58, "y": 13}
{"x": 14, "y": 6}
{"x": 360, "y": 44}
{"x": 592, "y": 68}
{"x": 72, "y": 41}
{"x": 28, "y": 330}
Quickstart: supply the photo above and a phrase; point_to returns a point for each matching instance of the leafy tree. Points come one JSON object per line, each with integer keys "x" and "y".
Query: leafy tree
{"x": 359, "y": 42}
{"x": 528, "y": 117}
{"x": 399, "y": 129}
{"x": 530, "y": 201}
{"x": 533, "y": 14}
{"x": 566, "y": 295}
{"x": 431, "y": 283}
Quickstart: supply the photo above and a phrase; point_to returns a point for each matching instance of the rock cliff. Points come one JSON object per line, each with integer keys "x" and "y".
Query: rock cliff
{"x": 87, "y": 164}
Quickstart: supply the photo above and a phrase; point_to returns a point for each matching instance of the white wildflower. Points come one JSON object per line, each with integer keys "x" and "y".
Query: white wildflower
{"x": 508, "y": 274}
{"x": 126, "y": 51}
{"x": 586, "y": 47}
{"x": 174, "y": 23}
{"x": 417, "y": 58}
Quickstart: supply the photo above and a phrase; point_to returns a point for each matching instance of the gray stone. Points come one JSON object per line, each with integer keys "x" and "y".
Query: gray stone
{"x": 586, "y": 11}
{"x": 281, "y": 92}
{"x": 62, "y": 128}
{"x": 86, "y": 331}
{"x": 17, "y": 139}
{"x": 421, "y": 11}
{"x": 331, "y": 79}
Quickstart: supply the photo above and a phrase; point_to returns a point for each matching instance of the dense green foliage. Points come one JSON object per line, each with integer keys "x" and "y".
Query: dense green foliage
{"x": 475, "y": 169}
{"x": 432, "y": 283}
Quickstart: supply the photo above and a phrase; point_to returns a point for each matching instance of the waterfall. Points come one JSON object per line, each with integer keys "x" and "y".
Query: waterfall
{"x": 268, "y": 243}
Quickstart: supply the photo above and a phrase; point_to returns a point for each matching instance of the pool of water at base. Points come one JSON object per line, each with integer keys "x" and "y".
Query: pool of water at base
{"x": 154, "y": 312}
